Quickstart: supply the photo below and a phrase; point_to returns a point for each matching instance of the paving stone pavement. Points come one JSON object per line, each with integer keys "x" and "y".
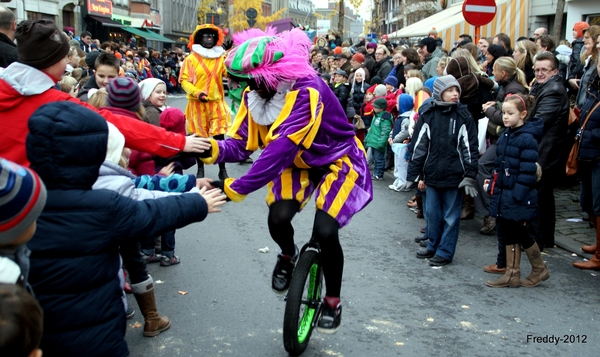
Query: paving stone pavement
{"x": 571, "y": 235}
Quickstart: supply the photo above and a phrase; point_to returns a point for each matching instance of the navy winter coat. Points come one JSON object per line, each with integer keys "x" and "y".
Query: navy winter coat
{"x": 75, "y": 250}
{"x": 444, "y": 147}
{"x": 512, "y": 189}
{"x": 589, "y": 148}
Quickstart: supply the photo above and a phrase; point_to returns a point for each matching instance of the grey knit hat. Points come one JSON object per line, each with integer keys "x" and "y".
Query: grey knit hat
{"x": 442, "y": 83}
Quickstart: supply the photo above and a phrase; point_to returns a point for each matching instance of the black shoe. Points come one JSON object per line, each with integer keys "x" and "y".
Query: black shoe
{"x": 420, "y": 239}
{"x": 424, "y": 243}
{"x": 223, "y": 175}
{"x": 247, "y": 161}
{"x": 438, "y": 261}
{"x": 424, "y": 253}
{"x": 129, "y": 313}
{"x": 200, "y": 172}
{"x": 282, "y": 274}
{"x": 331, "y": 317}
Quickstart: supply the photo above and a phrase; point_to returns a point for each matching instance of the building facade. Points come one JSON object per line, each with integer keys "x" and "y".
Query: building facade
{"x": 329, "y": 19}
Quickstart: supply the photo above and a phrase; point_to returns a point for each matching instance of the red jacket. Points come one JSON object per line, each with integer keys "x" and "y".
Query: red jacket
{"x": 24, "y": 89}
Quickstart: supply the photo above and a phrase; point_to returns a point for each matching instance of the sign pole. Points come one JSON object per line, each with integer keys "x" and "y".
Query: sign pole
{"x": 477, "y": 33}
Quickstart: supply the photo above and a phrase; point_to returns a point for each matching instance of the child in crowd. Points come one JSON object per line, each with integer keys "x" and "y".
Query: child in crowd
{"x": 21, "y": 319}
{"x": 513, "y": 194}
{"x": 172, "y": 119}
{"x": 113, "y": 176}
{"x": 22, "y": 199}
{"x": 154, "y": 99}
{"x": 340, "y": 87}
{"x": 68, "y": 84}
{"x": 358, "y": 89}
{"x": 75, "y": 256}
{"x": 445, "y": 133}
{"x": 106, "y": 67}
{"x": 377, "y": 136}
{"x": 399, "y": 135}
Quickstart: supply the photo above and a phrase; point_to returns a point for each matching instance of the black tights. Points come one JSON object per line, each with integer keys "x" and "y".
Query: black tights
{"x": 220, "y": 137}
{"x": 512, "y": 232}
{"x": 325, "y": 232}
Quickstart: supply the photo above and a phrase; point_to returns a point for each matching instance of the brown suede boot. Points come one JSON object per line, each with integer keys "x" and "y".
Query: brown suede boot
{"x": 468, "y": 208}
{"x": 513, "y": 274}
{"x": 591, "y": 249}
{"x": 594, "y": 263}
{"x": 419, "y": 201}
{"x": 144, "y": 295}
{"x": 539, "y": 270}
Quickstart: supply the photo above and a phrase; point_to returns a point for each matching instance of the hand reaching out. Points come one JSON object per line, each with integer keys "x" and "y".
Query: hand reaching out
{"x": 167, "y": 170}
{"x": 195, "y": 143}
{"x": 214, "y": 199}
{"x": 204, "y": 182}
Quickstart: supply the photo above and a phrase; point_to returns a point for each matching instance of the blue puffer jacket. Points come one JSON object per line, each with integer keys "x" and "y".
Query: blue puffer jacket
{"x": 589, "y": 148}
{"x": 513, "y": 195}
{"x": 75, "y": 250}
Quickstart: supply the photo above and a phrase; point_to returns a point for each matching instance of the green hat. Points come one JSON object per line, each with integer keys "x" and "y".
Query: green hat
{"x": 245, "y": 60}
{"x": 380, "y": 103}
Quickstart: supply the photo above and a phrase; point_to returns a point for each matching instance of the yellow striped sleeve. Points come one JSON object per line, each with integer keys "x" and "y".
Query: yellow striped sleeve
{"x": 231, "y": 194}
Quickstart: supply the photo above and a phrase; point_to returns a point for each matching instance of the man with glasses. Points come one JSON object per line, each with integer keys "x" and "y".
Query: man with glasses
{"x": 552, "y": 105}
{"x": 383, "y": 67}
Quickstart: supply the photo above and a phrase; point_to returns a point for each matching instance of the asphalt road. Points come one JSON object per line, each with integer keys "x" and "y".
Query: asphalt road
{"x": 394, "y": 304}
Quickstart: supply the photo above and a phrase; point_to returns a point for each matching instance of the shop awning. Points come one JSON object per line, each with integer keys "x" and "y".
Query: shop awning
{"x": 106, "y": 21}
{"x": 153, "y": 36}
{"x": 148, "y": 35}
{"x": 138, "y": 32}
{"x": 511, "y": 18}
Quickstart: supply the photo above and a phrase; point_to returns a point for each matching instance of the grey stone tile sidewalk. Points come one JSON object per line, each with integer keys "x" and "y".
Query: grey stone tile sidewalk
{"x": 571, "y": 236}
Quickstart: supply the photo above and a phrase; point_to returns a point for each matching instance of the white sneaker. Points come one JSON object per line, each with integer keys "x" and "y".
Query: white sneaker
{"x": 393, "y": 187}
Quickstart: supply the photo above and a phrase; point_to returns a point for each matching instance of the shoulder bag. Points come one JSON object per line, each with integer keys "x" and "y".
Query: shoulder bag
{"x": 572, "y": 160}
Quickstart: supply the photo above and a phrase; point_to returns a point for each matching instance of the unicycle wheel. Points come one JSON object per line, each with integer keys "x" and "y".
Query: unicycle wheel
{"x": 303, "y": 304}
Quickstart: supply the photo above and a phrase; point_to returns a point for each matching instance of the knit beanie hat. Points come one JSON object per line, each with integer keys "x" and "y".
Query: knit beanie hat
{"x": 443, "y": 83}
{"x": 579, "y": 27}
{"x": 361, "y": 71}
{"x": 173, "y": 119}
{"x": 40, "y": 43}
{"x": 428, "y": 42}
{"x": 90, "y": 59}
{"x": 22, "y": 199}
{"x": 380, "y": 90}
{"x": 123, "y": 92}
{"x": 116, "y": 143}
{"x": 393, "y": 81}
{"x": 372, "y": 45}
{"x": 359, "y": 57}
{"x": 380, "y": 103}
{"x": 147, "y": 86}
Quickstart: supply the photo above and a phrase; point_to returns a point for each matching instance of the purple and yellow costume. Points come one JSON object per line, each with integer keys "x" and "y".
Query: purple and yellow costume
{"x": 311, "y": 131}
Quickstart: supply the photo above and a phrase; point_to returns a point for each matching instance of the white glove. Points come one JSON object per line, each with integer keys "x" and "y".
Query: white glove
{"x": 406, "y": 186}
{"x": 469, "y": 185}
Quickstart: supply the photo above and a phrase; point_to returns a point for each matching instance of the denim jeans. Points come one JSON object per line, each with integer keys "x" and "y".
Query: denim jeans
{"x": 442, "y": 213}
{"x": 379, "y": 159}
{"x": 167, "y": 244}
{"x": 590, "y": 187}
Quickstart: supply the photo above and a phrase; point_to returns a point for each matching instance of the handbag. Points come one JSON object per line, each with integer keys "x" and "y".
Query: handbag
{"x": 572, "y": 165}
{"x": 574, "y": 115}
{"x": 359, "y": 123}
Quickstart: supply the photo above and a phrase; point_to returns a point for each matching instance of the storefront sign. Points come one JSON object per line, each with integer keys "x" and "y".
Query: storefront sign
{"x": 99, "y": 7}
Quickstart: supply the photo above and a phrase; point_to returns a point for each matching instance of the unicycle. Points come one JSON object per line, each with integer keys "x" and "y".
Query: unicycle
{"x": 303, "y": 302}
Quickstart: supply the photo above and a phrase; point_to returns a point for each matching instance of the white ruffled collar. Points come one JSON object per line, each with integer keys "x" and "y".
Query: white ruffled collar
{"x": 265, "y": 112}
{"x": 215, "y": 52}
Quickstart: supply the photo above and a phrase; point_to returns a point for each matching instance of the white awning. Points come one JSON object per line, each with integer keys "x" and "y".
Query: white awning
{"x": 511, "y": 18}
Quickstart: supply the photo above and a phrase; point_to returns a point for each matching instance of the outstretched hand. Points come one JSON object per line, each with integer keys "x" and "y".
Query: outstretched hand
{"x": 214, "y": 199}
{"x": 204, "y": 182}
{"x": 469, "y": 185}
{"x": 195, "y": 143}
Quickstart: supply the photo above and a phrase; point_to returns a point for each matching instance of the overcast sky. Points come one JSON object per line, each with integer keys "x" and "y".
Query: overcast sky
{"x": 364, "y": 10}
